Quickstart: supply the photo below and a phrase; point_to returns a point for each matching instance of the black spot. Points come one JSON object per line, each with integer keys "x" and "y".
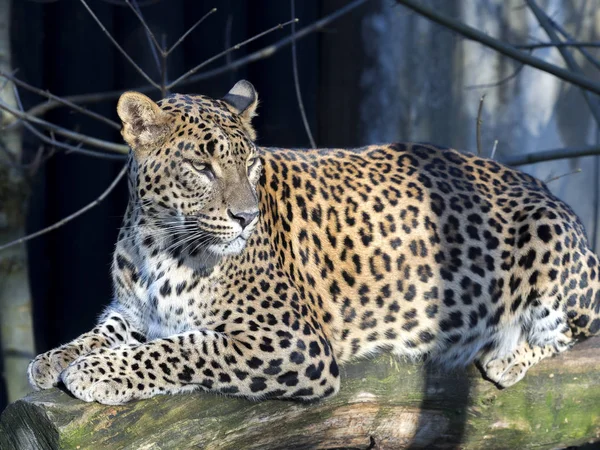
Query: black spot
{"x": 334, "y": 369}
{"x": 258, "y": 384}
{"x": 314, "y": 372}
{"x": 289, "y": 378}
{"x": 582, "y": 321}
{"x": 186, "y": 374}
{"x": 544, "y": 233}
{"x": 296, "y": 357}
{"x": 314, "y": 349}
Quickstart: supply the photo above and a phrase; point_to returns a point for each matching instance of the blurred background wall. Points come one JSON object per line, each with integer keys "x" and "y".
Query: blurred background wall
{"x": 380, "y": 73}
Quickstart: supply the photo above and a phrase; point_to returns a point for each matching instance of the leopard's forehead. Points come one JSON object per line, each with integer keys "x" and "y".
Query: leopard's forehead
{"x": 205, "y": 126}
{"x": 198, "y": 108}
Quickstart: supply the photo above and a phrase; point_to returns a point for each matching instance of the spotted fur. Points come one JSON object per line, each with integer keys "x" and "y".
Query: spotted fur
{"x": 428, "y": 252}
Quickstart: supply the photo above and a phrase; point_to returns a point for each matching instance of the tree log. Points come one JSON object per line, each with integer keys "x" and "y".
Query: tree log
{"x": 383, "y": 404}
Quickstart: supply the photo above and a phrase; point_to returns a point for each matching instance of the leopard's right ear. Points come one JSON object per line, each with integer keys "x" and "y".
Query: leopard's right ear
{"x": 145, "y": 125}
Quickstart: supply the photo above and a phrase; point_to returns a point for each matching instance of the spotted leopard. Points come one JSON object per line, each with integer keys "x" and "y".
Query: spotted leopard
{"x": 256, "y": 271}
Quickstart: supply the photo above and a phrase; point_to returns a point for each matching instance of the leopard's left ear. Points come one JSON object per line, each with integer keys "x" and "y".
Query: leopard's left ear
{"x": 242, "y": 99}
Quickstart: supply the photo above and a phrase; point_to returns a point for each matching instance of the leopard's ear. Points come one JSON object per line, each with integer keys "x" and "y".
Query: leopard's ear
{"x": 145, "y": 125}
{"x": 242, "y": 99}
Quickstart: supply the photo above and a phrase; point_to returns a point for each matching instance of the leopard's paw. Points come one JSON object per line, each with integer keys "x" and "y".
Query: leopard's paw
{"x": 44, "y": 371}
{"x": 99, "y": 377}
{"x": 505, "y": 372}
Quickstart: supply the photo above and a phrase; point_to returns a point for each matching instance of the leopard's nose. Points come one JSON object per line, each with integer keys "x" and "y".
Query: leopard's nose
{"x": 244, "y": 218}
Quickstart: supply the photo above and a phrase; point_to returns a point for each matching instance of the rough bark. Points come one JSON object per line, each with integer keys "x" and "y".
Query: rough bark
{"x": 383, "y": 404}
{"x": 15, "y": 299}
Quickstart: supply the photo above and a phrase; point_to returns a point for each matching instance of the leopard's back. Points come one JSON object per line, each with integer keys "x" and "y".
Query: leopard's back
{"x": 425, "y": 250}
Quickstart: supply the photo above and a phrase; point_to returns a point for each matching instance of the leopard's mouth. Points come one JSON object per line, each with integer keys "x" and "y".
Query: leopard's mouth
{"x": 231, "y": 247}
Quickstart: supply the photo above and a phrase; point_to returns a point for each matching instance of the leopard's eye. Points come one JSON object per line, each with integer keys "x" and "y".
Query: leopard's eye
{"x": 252, "y": 162}
{"x": 203, "y": 168}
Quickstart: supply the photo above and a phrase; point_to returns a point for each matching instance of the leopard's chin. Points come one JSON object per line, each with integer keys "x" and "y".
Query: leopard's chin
{"x": 233, "y": 247}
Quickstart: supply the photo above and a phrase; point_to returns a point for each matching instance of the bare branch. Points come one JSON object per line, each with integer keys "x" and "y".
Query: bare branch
{"x": 258, "y": 55}
{"x": 557, "y": 44}
{"x": 192, "y": 28}
{"x": 163, "y": 69}
{"x": 72, "y": 148}
{"x": 53, "y": 142}
{"x": 501, "y": 47}
{"x": 228, "y": 28}
{"x": 551, "y": 155}
{"x": 551, "y": 179}
{"x": 60, "y": 100}
{"x": 594, "y": 61}
{"x": 69, "y": 218}
{"x": 149, "y": 32}
{"x": 43, "y": 108}
{"x": 297, "y": 78}
{"x": 121, "y": 50}
{"x": 154, "y": 47}
{"x": 478, "y": 127}
{"x": 225, "y": 52}
{"x": 544, "y": 21}
{"x": 84, "y": 139}
{"x": 270, "y": 50}
{"x": 140, "y": 3}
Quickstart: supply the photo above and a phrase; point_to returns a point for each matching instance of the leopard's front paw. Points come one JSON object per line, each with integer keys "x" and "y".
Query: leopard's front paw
{"x": 44, "y": 371}
{"x": 97, "y": 377}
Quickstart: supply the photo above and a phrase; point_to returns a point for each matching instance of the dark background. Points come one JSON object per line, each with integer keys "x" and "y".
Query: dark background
{"x": 57, "y": 46}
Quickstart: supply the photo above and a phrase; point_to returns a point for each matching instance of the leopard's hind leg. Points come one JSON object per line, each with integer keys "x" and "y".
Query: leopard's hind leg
{"x": 540, "y": 332}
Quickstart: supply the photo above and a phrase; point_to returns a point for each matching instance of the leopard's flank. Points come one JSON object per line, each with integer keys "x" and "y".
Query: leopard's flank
{"x": 256, "y": 271}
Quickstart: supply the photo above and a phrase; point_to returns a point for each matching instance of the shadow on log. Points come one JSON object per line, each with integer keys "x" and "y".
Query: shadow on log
{"x": 383, "y": 404}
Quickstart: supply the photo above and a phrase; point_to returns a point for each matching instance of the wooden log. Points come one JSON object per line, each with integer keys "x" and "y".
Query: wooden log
{"x": 383, "y": 404}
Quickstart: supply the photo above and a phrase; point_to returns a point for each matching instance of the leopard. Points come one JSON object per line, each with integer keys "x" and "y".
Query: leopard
{"x": 256, "y": 272}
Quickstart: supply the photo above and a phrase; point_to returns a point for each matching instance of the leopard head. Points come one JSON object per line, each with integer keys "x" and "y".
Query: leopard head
{"x": 194, "y": 167}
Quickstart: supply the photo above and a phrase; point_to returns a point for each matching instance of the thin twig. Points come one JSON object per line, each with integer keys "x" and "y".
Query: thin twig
{"x": 501, "y": 47}
{"x": 192, "y": 28}
{"x": 106, "y": 145}
{"x": 494, "y": 149}
{"x": 258, "y": 55}
{"x": 478, "y": 127}
{"x": 551, "y": 179}
{"x": 551, "y": 155}
{"x": 121, "y": 50}
{"x": 557, "y": 44}
{"x": 297, "y": 78}
{"x": 140, "y": 3}
{"x": 225, "y": 52}
{"x": 163, "y": 69}
{"x": 498, "y": 83}
{"x": 60, "y": 100}
{"x": 154, "y": 47}
{"x": 149, "y": 32}
{"x": 69, "y": 218}
{"x": 228, "y": 28}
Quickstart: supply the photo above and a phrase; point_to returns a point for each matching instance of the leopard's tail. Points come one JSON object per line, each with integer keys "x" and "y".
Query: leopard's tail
{"x": 583, "y": 302}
